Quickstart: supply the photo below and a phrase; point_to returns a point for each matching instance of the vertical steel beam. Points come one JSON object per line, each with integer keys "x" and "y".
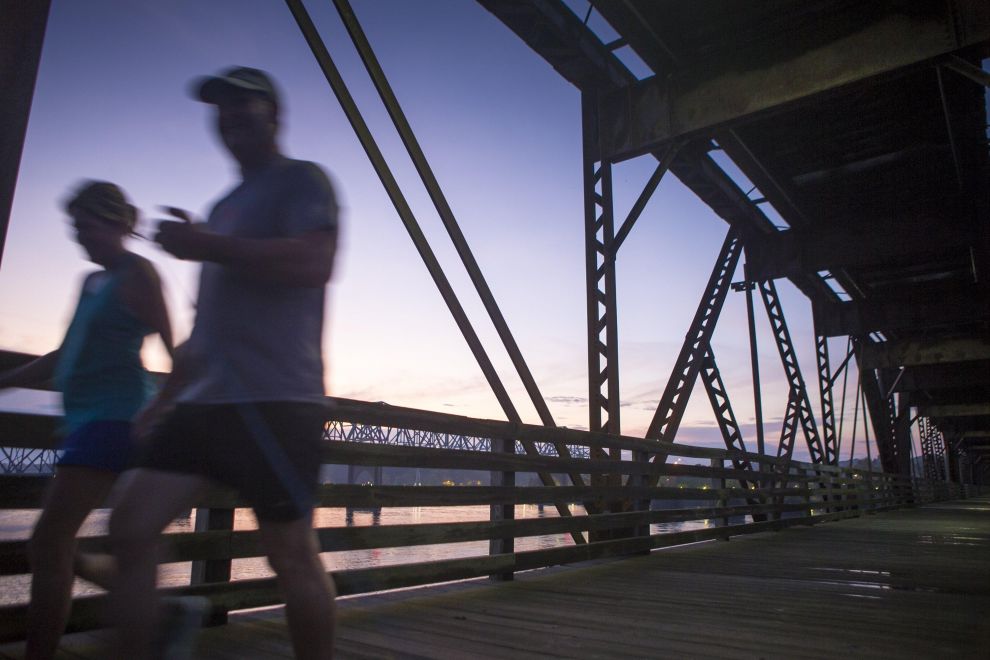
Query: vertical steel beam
{"x": 842, "y": 408}
{"x": 899, "y": 406}
{"x": 602, "y": 322}
{"x": 599, "y": 232}
{"x": 828, "y": 409}
{"x": 938, "y": 447}
{"x": 675, "y": 397}
{"x": 798, "y": 390}
{"x": 22, "y": 32}
{"x": 925, "y": 436}
{"x": 754, "y": 358}
{"x": 952, "y": 461}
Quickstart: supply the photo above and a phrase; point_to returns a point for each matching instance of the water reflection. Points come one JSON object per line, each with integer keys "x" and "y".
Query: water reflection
{"x": 375, "y": 511}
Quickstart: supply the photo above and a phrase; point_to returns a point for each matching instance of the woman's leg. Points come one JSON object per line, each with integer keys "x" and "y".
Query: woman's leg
{"x": 74, "y": 492}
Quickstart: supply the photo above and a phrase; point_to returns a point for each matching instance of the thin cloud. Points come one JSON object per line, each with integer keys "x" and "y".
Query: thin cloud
{"x": 568, "y": 400}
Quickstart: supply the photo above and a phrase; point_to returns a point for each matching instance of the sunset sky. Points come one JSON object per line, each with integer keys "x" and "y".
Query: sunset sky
{"x": 501, "y": 130}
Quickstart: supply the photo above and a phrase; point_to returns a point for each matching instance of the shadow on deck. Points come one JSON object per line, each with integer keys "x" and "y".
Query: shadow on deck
{"x": 912, "y": 582}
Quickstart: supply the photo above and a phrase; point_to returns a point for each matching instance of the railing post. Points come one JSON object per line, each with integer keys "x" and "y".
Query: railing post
{"x": 643, "y": 480}
{"x": 848, "y": 489}
{"x": 505, "y": 545}
{"x": 854, "y": 492}
{"x": 828, "y": 499}
{"x": 718, "y": 482}
{"x": 213, "y": 570}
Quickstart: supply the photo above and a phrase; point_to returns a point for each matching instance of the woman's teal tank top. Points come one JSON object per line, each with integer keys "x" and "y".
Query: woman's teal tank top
{"x": 99, "y": 369}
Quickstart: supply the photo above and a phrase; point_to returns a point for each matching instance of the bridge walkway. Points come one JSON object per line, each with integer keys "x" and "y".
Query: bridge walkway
{"x": 906, "y": 583}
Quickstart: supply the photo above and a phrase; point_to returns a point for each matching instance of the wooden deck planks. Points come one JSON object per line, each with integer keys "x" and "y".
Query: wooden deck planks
{"x": 908, "y": 583}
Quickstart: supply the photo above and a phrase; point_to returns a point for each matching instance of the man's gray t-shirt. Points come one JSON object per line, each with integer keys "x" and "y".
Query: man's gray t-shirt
{"x": 254, "y": 340}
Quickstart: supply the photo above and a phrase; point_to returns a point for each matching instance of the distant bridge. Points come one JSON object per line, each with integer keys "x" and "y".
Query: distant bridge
{"x": 390, "y": 435}
{"x": 22, "y": 460}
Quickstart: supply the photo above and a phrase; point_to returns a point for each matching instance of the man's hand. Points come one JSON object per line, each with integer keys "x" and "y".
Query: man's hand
{"x": 183, "y": 238}
{"x": 147, "y": 420}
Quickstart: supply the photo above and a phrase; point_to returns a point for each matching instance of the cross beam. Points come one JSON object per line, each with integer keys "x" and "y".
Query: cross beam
{"x": 956, "y": 410}
{"x": 913, "y": 352}
{"x": 794, "y": 252}
{"x": 642, "y": 116}
{"x": 962, "y": 375}
{"x": 837, "y": 319}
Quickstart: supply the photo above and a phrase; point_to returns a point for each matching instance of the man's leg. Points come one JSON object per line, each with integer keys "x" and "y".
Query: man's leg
{"x": 150, "y": 501}
{"x": 74, "y": 492}
{"x": 309, "y": 593}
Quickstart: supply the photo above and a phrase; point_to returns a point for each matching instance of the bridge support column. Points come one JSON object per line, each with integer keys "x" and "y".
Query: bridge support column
{"x": 599, "y": 250}
{"x": 828, "y": 410}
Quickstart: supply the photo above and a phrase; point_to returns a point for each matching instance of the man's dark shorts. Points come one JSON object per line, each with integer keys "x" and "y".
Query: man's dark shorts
{"x": 269, "y": 452}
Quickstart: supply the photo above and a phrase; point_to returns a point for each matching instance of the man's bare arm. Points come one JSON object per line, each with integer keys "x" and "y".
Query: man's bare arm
{"x": 305, "y": 260}
{"x": 164, "y": 400}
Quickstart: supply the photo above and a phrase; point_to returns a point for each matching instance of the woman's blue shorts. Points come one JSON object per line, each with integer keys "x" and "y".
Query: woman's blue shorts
{"x": 103, "y": 444}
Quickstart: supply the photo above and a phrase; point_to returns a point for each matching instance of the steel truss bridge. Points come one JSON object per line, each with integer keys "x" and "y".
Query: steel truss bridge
{"x": 864, "y": 183}
{"x": 338, "y": 431}
{"x": 19, "y": 460}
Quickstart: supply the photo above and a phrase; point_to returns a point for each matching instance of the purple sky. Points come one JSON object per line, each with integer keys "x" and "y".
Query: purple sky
{"x": 502, "y": 132}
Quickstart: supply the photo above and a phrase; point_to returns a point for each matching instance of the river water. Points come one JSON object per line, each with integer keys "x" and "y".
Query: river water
{"x": 17, "y": 524}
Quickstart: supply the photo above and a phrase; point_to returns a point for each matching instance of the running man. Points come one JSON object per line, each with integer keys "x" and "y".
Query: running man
{"x": 244, "y": 405}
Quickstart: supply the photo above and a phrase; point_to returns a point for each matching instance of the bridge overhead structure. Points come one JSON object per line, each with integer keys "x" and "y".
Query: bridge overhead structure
{"x": 864, "y": 125}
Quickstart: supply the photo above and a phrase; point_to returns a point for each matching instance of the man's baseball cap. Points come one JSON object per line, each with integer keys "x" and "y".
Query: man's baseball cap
{"x": 104, "y": 200}
{"x": 212, "y": 89}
